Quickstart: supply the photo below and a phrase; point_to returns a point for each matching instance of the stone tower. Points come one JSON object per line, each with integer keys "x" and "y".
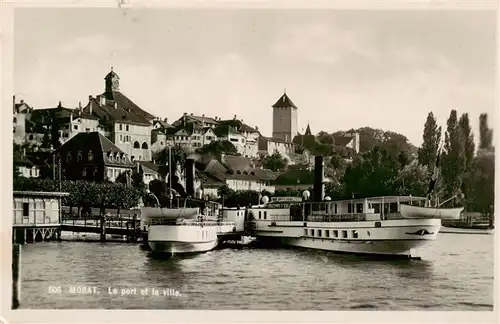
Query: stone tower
{"x": 285, "y": 122}
{"x": 112, "y": 83}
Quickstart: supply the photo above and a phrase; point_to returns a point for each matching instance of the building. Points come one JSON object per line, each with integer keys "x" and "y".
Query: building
{"x": 125, "y": 123}
{"x": 27, "y": 168}
{"x": 21, "y": 115}
{"x": 267, "y": 146}
{"x": 238, "y": 173}
{"x": 244, "y": 137}
{"x": 149, "y": 170}
{"x": 202, "y": 121}
{"x": 190, "y": 136}
{"x": 285, "y": 122}
{"x": 349, "y": 140}
{"x": 37, "y": 216}
{"x": 92, "y": 156}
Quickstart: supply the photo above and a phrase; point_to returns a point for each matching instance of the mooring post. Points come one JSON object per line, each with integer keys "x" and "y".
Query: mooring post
{"x": 103, "y": 229}
{"x": 16, "y": 291}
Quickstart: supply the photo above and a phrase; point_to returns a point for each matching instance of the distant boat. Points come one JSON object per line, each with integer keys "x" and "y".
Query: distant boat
{"x": 465, "y": 230}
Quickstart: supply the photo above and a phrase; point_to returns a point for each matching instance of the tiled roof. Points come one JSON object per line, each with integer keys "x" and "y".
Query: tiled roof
{"x": 238, "y": 126}
{"x": 209, "y": 181}
{"x": 342, "y": 140}
{"x": 153, "y": 167}
{"x": 284, "y": 102}
{"x": 293, "y": 177}
{"x": 118, "y": 114}
{"x": 128, "y": 105}
{"x": 24, "y": 161}
{"x": 237, "y": 163}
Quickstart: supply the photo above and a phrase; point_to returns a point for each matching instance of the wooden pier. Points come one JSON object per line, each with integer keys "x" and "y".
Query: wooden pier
{"x": 124, "y": 226}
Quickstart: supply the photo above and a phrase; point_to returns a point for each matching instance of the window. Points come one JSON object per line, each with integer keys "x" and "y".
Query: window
{"x": 312, "y": 232}
{"x": 126, "y": 128}
{"x": 327, "y": 233}
{"x": 84, "y": 172}
{"x": 359, "y": 208}
{"x": 79, "y": 156}
{"x": 335, "y": 208}
{"x": 120, "y": 126}
{"x": 110, "y": 157}
{"x": 15, "y": 120}
{"x": 344, "y": 234}
{"x": 75, "y": 127}
{"x": 305, "y": 231}
{"x": 87, "y": 130}
{"x": 121, "y": 138}
{"x": 136, "y": 145}
{"x": 259, "y": 214}
{"x": 319, "y": 233}
{"x": 90, "y": 156}
{"x": 265, "y": 215}
{"x": 124, "y": 158}
{"x": 355, "y": 234}
{"x": 26, "y": 209}
{"x": 144, "y": 146}
{"x": 96, "y": 170}
{"x": 335, "y": 233}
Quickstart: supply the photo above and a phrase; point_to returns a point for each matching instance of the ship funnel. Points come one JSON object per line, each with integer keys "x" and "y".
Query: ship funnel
{"x": 189, "y": 176}
{"x": 319, "y": 177}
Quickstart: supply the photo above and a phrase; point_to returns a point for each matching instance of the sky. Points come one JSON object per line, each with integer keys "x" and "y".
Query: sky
{"x": 343, "y": 68}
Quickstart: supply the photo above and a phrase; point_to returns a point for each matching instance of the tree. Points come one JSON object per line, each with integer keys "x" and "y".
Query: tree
{"x": 485, "y": 133}
{"x": 427, "y": 153}
{"x": 469, "y": 146}
{"x": 219, "y": 147}
{"x": 274, "y": 162}
{"x": 412, "y": 180}
{"x": 453, "y": 158}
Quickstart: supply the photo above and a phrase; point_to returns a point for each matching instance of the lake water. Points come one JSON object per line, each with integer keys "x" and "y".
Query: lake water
{"x": 455, "y": 273}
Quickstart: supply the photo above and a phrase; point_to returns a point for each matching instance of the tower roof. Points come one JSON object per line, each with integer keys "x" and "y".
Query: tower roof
{"x": 284, "y": 101}
{"x": 308, "y": 130}
{"x": 111, "y": 74}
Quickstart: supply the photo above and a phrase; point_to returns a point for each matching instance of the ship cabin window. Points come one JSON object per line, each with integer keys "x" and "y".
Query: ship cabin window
{"x": 26, "y": 209}
{"x": 350, "y": 208}
{"x": 319, "y": 233}
{"x": 335, "y": 208}
{"x": 265, "y": 215}
{"x": 359, "y": 208}
{"x": 393, "y": 207}
{"x": 376, "y": 208}
{"x": 335, "y": 233}
{"x": 354, "y": 234}
{"x": 312, "y": 232}
{"x": 259, "y": 214}
{"x": 344, "y": 234}
{"x": 305, "y": 231}
{"x": 327, "y": 233}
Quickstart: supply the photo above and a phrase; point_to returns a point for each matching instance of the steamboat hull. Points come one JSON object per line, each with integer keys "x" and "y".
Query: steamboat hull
{"x": 397, "y": 238}
{"x": 176, "y": 247}
{"x": 181, "y": 239}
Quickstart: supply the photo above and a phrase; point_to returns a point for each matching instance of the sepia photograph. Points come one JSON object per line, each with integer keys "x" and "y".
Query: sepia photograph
{"x": 265, "y": 158}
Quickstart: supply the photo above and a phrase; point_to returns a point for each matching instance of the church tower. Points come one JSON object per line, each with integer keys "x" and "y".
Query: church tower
{"x": 112, "y": 83}
{"x": 285, "y": 124}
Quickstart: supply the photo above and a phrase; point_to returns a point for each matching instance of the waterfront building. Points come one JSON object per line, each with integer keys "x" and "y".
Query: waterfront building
{"x": 37, "y": 215}
{"x": 92, "y": 156}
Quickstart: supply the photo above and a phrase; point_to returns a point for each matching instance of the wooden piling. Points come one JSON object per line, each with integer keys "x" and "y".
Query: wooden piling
{"x": 103, "y": 229}
{"x": 16, "y": 291}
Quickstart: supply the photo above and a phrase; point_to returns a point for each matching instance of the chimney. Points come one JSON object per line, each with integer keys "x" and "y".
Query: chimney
{"x": 191, "y": 114}
{"x": 256, "y": 128}
{"x": 165, "y": 119}
{"x": 319, "y": 177}
{"x": 14, "y": 100}
{"x": 189, "y": 176}
{"x": 59, "y": 105}
{"x": 22, "y": 101}
{"x": 80, "y": 106}
{"x": 234, "y": 117}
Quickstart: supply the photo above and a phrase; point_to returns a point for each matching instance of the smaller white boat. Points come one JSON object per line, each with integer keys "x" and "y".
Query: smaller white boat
{"x": 409, "y": 211}
{"x": 461, "y": 230}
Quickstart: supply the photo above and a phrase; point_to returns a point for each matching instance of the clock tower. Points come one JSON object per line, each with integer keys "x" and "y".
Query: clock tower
{"x": 112, "y": 83}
